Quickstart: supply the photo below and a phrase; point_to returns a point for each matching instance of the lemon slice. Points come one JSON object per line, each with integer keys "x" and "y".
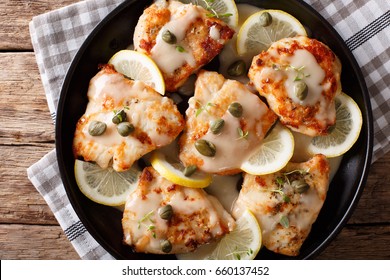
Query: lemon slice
{"x": 172, "y": 170}
{"x": 273, "y": 154}
{"x": 225, "y": 10}
{"x": 253, "y": 38}
{"x": 138, "y": 66}
{"x": 345, "y": 132}
{"x": 243, "y": 243}
{"x": 105, "y": 186}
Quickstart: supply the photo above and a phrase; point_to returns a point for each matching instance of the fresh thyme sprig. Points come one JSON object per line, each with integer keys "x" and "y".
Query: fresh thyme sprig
{"x": 180, "y": 49}
{"x": 145, "y": 218}
{"x": 299, "y": 71}
{"x": 237, "y": 253}
{"x": 242, "y": 134}
{"x": 202, "y": 107}
{"x": 281, "y": 180}
{"x": 151, "y": 228}
{"x": 284, "y": 221}
{"x": 213, "y": 12}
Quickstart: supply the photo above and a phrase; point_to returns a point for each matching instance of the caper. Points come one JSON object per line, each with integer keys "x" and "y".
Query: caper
{"x": 300, "y": 186}
{"x": 237, "y": 68}
{"x": 265, "y": 19}
{"x": 217, "y": 125}
{"x": 301, "y": 90}
{"x": 125, "y": 128}
{"x": 119, "y": 117}
{"x": 169, "y": 37}
{"x": 189, "y": 170}
{"x": 235, "y": 109}
{"x": 166, "y": 212}
{"x": 205, "y": 148}
{"x": 166, "y": 246}
{"x": 97, "y": 128}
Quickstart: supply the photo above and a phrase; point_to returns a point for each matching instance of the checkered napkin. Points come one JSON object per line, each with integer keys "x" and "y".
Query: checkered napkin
{"x": 57, "y": 35}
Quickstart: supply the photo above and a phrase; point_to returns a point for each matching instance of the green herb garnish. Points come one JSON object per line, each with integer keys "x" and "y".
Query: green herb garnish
{"x": 242, "y": 134}
{"x": 202, "y": 107}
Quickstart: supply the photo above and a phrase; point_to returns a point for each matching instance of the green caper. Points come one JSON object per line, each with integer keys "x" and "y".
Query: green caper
{"x": 189, "y": 170}
{"x": 205, "y": 148}
{"x": 166, "y": 246}
{"x": 97, "y": 128}
{"x": 166, "y": 212}
{"x": 169, "y": 37}
{"x": 300, "y": 186}
{"x": 265, "y": 19}
{"x": 125, "y": 128}
{"x": 216, "y": 126}
{"x": 237, "y": 68}
{"x": 301, "y": 90}
{"x": 119, "y": 117}
{"x": 235, "y": 109}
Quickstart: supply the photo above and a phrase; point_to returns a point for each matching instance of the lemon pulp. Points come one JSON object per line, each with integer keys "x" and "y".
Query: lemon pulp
{"x": 140, "y": 67}
{"x": 105, "y": 186}
{"x": 273, "y": 154}
{"x": 345, "y": 132}
{"x": 253, "y": 38}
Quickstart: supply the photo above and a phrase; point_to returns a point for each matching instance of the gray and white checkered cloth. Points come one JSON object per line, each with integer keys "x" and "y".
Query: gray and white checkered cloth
{"x": 57, "y": 35}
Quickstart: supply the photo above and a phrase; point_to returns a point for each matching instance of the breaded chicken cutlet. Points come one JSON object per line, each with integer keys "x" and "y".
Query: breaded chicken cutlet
{"x": 300, "y": 78}
{"x": 224, "y": 116}
{"x": 161, "y": 217}
{"x": 144, "y": 121}
{"x": 180, "y": 38}
{"x": 286, "y": 203}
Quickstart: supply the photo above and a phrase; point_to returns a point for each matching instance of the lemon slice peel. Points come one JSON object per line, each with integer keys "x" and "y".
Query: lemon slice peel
{"x": 172, "y": 170}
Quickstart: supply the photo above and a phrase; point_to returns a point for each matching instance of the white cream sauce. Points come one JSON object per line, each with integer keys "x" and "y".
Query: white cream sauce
{"x": 224, "y": 188}
{"x": 214, "y": 33}
{"x": 311, "y": 73}
{"x": 231, "y": 148}
{"x": 167, "y": 56}
{"x": 114, "y": 91}
{"x": 186, "y": 202}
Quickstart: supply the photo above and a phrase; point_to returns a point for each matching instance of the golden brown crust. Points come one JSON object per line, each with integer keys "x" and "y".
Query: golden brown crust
{"x": 302, "y": 118}
{"x": 197, "y": 40}
{"x": 156, "y": 119}
{"x": 197, "y": 218}
{"x": 270, "y": 197}
{"x": 213, "y": 88}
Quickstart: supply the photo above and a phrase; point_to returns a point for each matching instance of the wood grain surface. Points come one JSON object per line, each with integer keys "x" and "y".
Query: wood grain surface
{"x": 28, "y": 229}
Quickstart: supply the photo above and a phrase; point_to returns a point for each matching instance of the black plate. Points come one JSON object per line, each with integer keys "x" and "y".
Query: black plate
{"x": 115, "y": 33}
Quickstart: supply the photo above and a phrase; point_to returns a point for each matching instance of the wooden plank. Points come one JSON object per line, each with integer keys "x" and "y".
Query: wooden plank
{"x": 360, "y": 243}
{"x": 49, "y": 242}
{"x": 15, "y": 16}
{"x": 19, "y": 200}
{"x": 18, "y": 242}
{"x": 373, "y": 206}
{"x": 24, "y": 114}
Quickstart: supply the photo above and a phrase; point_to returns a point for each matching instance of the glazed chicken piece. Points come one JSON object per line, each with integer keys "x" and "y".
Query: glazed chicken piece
{"x": 213, "y": 101}
{"x": 286, "y": 203}
{"x": 162, "y": 217}
{"x": 180, "y": 38}
{"x": 300, "y": 78}
{"x": 155, "y": 121}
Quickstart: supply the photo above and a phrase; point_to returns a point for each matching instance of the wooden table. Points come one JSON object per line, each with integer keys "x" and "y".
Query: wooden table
{"x": 28, "y": 229}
